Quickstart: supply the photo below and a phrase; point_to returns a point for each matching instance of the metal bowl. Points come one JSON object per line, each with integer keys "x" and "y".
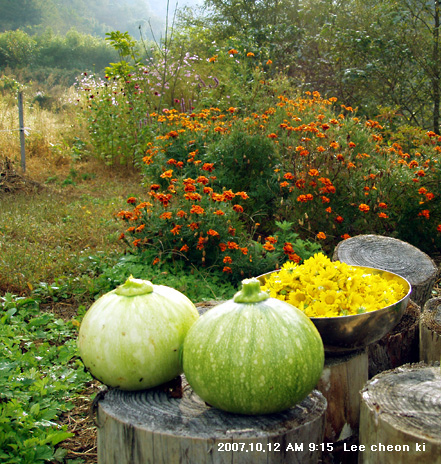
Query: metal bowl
{"x": 349, "y": 333}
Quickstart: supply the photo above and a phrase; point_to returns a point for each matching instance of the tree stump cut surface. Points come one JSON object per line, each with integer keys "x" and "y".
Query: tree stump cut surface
{"x": 430, "y": 331}
{"x": 400, "y": 346}
{"x": 393, "y": 255}
{"x": 154, "y": 427}
{"x": 400, "y": 417}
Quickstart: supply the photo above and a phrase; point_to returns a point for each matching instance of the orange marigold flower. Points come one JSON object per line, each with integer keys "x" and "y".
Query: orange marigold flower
{"x": 213, "y": 59}
{"x": 131, "y": 200}
{"x": 227, "y": 270}
{"x": 363, "y": 207}
{"x": 284, "y": 184}
{"x": 313, "y": 172}
{"x": 155, "y": 261}
{"x": 168, "y": 173}
{"x": 176, "y": 229}
{"x": 269, "y": 62}
{"x": 287, "y": 248}
{"x": 189, "y": 188}
{"x": 192, "y": 196}
{"x": 350, "y": 165}
{"x": 325, "y": 199}
{"x": 181, "y": 213}
{"x": 155, "y": 187}
{"x": 228, "y": 195}
{"x": 140, "y": 228}
{"x": 351, "y": 145}
{"x": 413, "y": 164}
{"x": 339, "y": 219}
{"x": 130, "y": 229}
{"x": 425, "y": 213}
{"x": 136, "y": 242}
{"x": 294, "y": 257}
{"x": 227, "y": 260}
{"x": 208, "y": 167}
{"x": 438, "y": 228}
{"x": 233, "y": 51}
{"x": 238, "y": 208}
{"x": 219, "y": 212}
{"x": 269, "y": 246}
{"x": 184, "y": 248}
{"x": 171, "y": 161}
{"x": 231, "y": 231}
{"x": 250, "y": 54}
{"x": 244, "y": 250}
{"x": 200, "y": 245}
{"x": 288, "y": 176}
{"x": 196, "y": 209}
{"x": 193, "y": 225}
{"x": 430, "y": 196}
{"x": 166, "y": 215}
{"x": 121, "y": 237}
{"x": 202, "y": 180}
{"x": 243, "y": 195}
{"x": 422, "y": 191}
{"x": 231, "y": 109}
{"x": 222, "y": 246}
{"x": 271, "y": 239}
{"x": 334, "y": 145}
{"x": 383, "y": 215}
{"x": 213, "y": 233}
{"x": 321, "y": 236}
{"x": 345, "y": 236}
{"x": 272, "y": 135}
{"x": 232, "y": 246}
{"x": 420, "y": 173}
{"x": 328, "y": 209}
{"x": 382, "y": 205}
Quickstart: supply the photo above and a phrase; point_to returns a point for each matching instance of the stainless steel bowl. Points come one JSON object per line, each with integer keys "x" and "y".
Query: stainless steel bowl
{"x": 349, "y": 333}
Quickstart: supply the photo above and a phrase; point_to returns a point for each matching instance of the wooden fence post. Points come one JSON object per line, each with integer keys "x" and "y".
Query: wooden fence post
{"x": 22, "y": 131}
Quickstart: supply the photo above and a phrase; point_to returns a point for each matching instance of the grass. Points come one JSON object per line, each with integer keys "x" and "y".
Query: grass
{"x": 44, "y": 233}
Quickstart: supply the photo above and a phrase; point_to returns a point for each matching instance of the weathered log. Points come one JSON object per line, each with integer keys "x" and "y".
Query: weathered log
{"x": 342, "y": 379}
{"x": 155, "y": 427}
{"x": 392, "y": 255}
{"x": 430, "y": 331}
{"x": 399, "y": 346}
{"x": 400, "y": 416}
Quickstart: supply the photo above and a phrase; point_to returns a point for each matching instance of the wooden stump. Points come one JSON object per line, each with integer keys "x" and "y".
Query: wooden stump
{"x": 400, "y": 417}
{"x": 393, "y": 255}
{"x": 155, "y": 427}
{"x": 342, "y": 379}
{"x": 430, "y": 331}
{"x": 400, "y": 346}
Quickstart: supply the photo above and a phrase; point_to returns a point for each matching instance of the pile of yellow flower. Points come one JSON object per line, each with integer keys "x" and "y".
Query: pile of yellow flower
{"x": 323, "y": 288}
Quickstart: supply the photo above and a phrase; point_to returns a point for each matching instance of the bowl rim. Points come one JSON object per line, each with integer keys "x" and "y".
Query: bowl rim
{"x": 353, "y": 316}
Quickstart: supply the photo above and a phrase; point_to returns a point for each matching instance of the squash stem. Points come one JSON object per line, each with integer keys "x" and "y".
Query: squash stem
{"x": 134, "y": 287}
{"x": 250, "y": 292}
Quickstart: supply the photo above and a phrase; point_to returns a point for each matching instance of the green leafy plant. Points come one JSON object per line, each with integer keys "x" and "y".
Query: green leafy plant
{"x": 39, "y": 374}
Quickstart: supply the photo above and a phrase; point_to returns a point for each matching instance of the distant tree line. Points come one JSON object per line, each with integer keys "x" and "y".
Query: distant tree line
{"x": 95, "y": 17}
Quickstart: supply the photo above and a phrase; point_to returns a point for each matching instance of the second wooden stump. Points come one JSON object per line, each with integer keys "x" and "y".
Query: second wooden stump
{"x": 156, "y": 427}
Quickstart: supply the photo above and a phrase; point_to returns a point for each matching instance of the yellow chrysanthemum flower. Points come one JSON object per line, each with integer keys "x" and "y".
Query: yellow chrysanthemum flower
{"x": 323, "y": 288}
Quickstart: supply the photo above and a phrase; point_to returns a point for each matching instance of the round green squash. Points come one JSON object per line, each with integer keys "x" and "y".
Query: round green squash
{"x": 253, "y": 354}
{"x": 131, "y": 337}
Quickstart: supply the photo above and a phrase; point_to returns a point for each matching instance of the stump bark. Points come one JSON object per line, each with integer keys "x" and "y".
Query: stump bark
{"x": 430, "y": 331}
{"x": 400, "y": 346}
{"x": 393, "y": 255}
{"x": 400, "y": 417}
{"x": 342, "y": 379}
{"x": 157, "y": 427}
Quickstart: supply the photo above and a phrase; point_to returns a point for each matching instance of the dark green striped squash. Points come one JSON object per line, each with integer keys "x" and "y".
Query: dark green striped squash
{"x": 253, "y": 354}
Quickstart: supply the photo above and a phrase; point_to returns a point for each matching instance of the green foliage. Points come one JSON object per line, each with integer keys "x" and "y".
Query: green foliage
{"x": 39, "y": 373}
